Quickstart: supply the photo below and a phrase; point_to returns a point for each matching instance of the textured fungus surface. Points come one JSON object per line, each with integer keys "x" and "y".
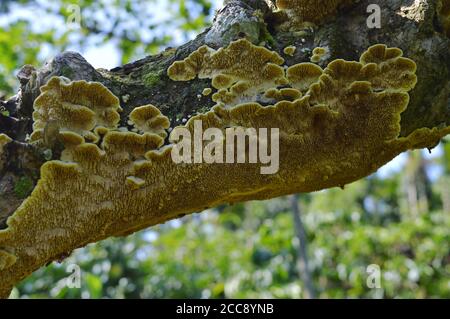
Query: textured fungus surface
{"x": 444, "y": 15}
{"x": 75, "y": 107}
{"x": 239, "y": 71}
{"x": 301, "y": 12}
{"x": 148, "y": 119}
{"x": 342, "y": 124}
{"x": 4, "y": 139}
{"x": 289, "y": 50}
{"x": 302, "y": 75}
{"x": 320, "y": 54}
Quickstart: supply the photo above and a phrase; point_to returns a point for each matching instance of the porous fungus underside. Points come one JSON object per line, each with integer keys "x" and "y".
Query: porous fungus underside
{"x": 342, "y": 124}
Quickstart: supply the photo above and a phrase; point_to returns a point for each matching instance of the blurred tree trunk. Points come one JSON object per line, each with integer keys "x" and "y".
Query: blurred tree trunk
{"x": 416, "y": 186}
{"x": 302, "y": 245}
{"x": 445, "y": 179}
{"x": 446, "y": 195}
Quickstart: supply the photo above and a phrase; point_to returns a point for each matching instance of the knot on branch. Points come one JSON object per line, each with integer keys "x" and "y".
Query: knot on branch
{"x": 68, "y": 64}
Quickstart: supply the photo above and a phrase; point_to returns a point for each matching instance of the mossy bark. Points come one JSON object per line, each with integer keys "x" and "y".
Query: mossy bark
{"x": 410, "y": 25}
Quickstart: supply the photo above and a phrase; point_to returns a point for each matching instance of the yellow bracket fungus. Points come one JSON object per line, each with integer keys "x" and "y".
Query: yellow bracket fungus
{"x": 320, "y": 55}
{"x": 4, "y": 139}
{"x": 302, "y": 75}
{"x": 239, "y": 71}
{"x": 149, "y": 119}
{"x": 76, "y": 107}
{"x": 443, "y": 9}
{"x": 300, "y": 12}
{"x": 206, "y": 91}
{"x": 344, "y": 127}
{"x": 289, "y": 50}
{"x": 286, "y": 94}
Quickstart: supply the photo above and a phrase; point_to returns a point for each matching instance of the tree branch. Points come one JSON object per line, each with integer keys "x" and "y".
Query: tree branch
{"x": 414, "y": 27}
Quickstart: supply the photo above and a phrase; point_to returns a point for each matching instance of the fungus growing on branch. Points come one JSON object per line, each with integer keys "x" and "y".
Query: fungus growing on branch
{"x": 77, "y": 107}
{"x": 320, "y": 55}
{"x": 206, "y": 91}
{"x": 4, "y": 139}
{"x": 336, "y": 126}
{"x": 302, "y": 75}
{"x": 148, "y": 119}
{"x": 286, "y": 94}
{"x": 300, "y": 12}
{"x": 443, "y": 10}
{"x": 240, "y": 71}
{"x": 289, "y": 50}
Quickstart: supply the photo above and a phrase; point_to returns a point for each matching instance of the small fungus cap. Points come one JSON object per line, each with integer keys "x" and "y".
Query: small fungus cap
{"x": 4, "y": 139}
{"x": 148, "y": 119}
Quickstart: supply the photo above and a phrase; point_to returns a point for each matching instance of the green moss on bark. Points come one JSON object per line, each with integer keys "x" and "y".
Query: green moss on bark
{"x": 23, "y": 187}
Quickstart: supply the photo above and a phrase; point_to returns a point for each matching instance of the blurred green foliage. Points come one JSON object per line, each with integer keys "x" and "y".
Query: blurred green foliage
{"x": 247, "y": 250}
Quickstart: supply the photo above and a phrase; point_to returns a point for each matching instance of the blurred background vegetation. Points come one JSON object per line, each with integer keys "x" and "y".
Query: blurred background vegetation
{"x": 397, "y": 219}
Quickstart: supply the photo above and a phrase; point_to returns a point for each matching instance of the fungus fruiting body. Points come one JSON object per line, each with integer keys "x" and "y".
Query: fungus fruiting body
{"x": 74, "y": 107}
{"x": 4, "y": 139}
{"x": 320, "y": 54}
{"x": 206, "y": 91}
{"x": 239, "y": 72}
{"x": 289, "y": 50}
{"x": 149, "y": 119}
{"x": 336, "y": 125}
{"x": 443, "y": 9}
{"x": 302, "y": 75}
{"x": 301, "y": 12}
{"x": 286, "y": 94}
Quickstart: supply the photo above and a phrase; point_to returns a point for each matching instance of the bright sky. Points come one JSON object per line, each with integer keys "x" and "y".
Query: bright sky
{"x": 104, "y": 56}
{"x": 434, "y": 171}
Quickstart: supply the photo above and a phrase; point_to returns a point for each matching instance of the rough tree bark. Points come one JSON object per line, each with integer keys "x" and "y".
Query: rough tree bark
{"x": 413, "y": 26}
